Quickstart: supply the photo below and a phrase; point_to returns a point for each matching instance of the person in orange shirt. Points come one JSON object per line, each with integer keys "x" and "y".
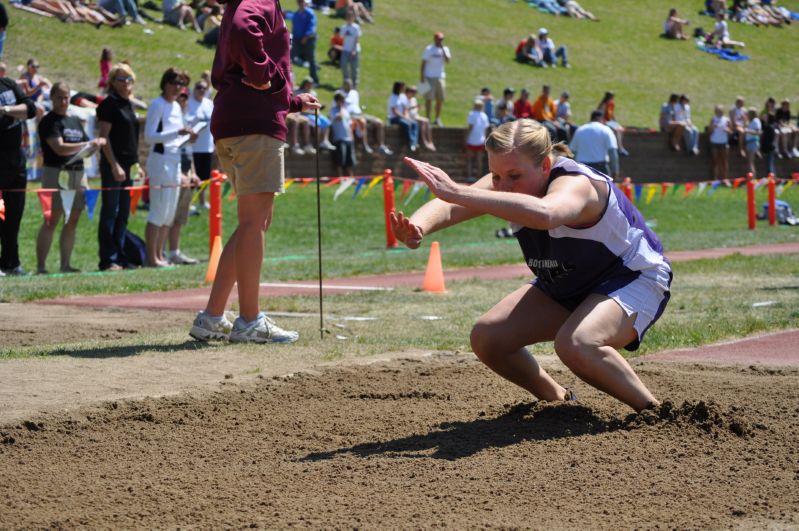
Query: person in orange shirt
{"x": 544, "y": 111}
{"x": 336, "y": 45}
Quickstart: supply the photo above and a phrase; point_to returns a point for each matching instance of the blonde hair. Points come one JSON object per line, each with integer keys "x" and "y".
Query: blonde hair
{"x": 120, "y": 69}
{"x": 527, "y": 137}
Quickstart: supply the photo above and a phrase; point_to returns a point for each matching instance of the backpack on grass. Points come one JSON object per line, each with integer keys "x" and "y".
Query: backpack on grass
{"x": 785, "y": 215}
{"x": 134, "y": 249}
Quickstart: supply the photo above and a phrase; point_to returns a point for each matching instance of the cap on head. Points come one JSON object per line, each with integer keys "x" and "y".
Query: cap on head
{"x": 438, "y": 35}
{"x": 543, "y": 31}
{"x": 565, "y": 94}
{"x": 508, "y": 90}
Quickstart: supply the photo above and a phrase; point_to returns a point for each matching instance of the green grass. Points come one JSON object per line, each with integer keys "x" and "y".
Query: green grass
{"x": 354, "y": 241}
{"x": 711, "y": 300}
{"x": 622, "y": 53}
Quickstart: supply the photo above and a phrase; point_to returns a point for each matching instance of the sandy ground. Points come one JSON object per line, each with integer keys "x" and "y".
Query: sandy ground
{"x": 185, "y": 437}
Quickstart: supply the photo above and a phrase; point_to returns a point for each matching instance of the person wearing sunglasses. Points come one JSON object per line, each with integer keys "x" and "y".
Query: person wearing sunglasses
{"x": 199, "y": 109}
{"x": 119, "y": 125}
{"x": 165, "y": 132}
{"x": 33, "y": 83}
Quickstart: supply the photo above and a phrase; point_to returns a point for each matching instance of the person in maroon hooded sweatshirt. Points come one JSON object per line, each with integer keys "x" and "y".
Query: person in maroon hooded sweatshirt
{"x": 252, "y": 76}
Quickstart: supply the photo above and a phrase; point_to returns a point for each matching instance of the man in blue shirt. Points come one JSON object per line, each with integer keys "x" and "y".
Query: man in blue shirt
{"x": 303, "y": 38}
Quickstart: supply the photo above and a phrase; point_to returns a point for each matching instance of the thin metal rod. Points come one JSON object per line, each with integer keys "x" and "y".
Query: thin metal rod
{"x": 319, "y": 223}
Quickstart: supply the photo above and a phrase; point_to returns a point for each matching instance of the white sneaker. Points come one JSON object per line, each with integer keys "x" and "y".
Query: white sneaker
{"x": 327, "y": 146}
{"x": 262, "y": 330}
{"x": 297, "y": 150}
{"x": 178, "y": 258}
{"x": 368, "y": 149}
{"x": 206, "y": 327}
{"x": 309, "y": 149}
{"x": 384, "y": 150}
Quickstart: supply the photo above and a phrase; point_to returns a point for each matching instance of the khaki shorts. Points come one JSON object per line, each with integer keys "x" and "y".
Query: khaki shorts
{"x": 437, "y": 89}
{"x": 253, "y": 163}
{"x": 74, "y": 180}
{"x": 184, "y": 202}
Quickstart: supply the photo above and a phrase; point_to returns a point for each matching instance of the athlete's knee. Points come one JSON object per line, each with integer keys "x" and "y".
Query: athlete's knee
{"x": 487, "y": 340}
{"x": 575, "y": 350}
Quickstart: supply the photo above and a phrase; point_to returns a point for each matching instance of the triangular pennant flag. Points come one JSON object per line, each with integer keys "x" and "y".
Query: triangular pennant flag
{"x": 663, "y": 189}
{"x": 713, "y": 186}
{"x": 90, "y": 197}
{"x": 331, "y": 182}
{"x": 288, "y": 184}
{"x": 780, "y": 189}
{"x": 737, "y": 182}
{"x": 674, "y": 188}
{"x": 415, "y": 190}
{"x": 688, "y": 189}
{"x": 787, "y": 185}
{"x": 375, "y": 182}
{"x": 651, "y": 190}
{"x": 638, "y": 189}
{"x": 46, "y": 200}
{"x": 135, "y": 195}
{"x": 345, "y": 183}
{"x": 406, "y": 185}
{"x": 701, "y": 189}
{"x": 67, "y": 200}
{"x": 306, "y": 182}
{"x": 225, "y": 188}
{"x": 361, "y": 182}
{"x": 196, "y": 197}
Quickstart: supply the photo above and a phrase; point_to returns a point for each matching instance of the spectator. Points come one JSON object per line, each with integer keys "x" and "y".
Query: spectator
{"x": 398, "y": 115}
{"x": 594, "y": 145}
{"x": 323, "y": 131}
{"x": 721, "y": 34}
{"x": 62, "y": 137}
{"x": 549, "y": 6}
{"x": 362, "y": 121}
{"x": 165, "y": 131}
{"x": 303, "y": 43}
{"x": 118, "y": 124}
{"x": 504, "y": 112}
{"x": 3, "y": 69}
{"x": 576, "y": 10}
{"x": 549, "y": 53}
{"x": 3, "y": 26}
{"x": 15, "y": 107}
{"x": 351, "y": 49}
{"x": 341, "y": 133}
{"x": 564, "y": 114}
{"x": 105, "y": 67}
{"x": 358, "y": 9}
{"x": 528, "y": 51}
{"x": 296, "y": 124}
{"x": 188, "y": 181}
{"x": 250, "y": 132}
{"x": 669, "y": 123}
{"x": 198, "y": 112}
{"x": 425, "y": 131}
{"x": 476, "y": 130}
{"x": 720, "y": 129}
{"x": 768, "y": 142}
{"x": 608, "y": 108}
{"x": 35, "y": 86}
{"x": 738, "y": 121}
{"x": 682, "y": 113}
{"x": 211, "y": 25}
{"x": 674, "y": 25}
{"x": 789, "y": 137}
{"x": 523, "y": 108}
{"x": 488, "y": 105}
{"x": 178, "y": 14}
{"x": 544, "y": 112}
{"x": 336, "y": 45}
{"x": 434, "y": 59}
{"x": 754, "y": 131}
{"x": 123, "y": 9}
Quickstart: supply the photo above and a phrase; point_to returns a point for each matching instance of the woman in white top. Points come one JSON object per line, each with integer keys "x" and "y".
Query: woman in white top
{"x": 165, "y": 132}
{"x": 397, "y": 112}
{"x": 720, "y": 131}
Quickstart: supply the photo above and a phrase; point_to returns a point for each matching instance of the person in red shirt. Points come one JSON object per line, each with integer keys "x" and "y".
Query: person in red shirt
{"x": 522, "y": 108}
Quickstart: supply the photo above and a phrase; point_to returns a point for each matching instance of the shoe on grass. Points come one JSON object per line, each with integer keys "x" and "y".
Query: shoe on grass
{"x": 262, "y": 330}
{"x": 178, "y": 258}
{"x": 206, "y": 327}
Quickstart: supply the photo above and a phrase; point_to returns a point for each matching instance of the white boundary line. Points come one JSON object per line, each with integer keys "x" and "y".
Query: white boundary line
{"x": 325, "y": 286}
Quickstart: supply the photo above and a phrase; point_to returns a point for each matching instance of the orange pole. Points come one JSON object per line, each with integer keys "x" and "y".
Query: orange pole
{"x": 772, "y": 200}
{"x": 750, "y": 201}
{"x": 215, "y": 213}
{"x": 388, "y": 207}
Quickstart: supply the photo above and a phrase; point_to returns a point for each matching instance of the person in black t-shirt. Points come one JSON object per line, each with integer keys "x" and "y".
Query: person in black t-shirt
{"x": 14, "y": 107}
{"x": 62, "y": 137}
{"x": 120, "y": 127}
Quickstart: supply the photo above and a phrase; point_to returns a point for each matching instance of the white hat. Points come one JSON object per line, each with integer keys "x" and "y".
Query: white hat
{"x": 543, "y": 31}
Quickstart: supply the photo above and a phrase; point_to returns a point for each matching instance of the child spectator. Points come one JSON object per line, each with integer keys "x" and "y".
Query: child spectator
{"x": 549, "y": 53}
{"x": 352, "y": 100}
{"x": 721, "y": 34}
{"x": 523, "y": 108}
{"x": 336, "y": 44}
{"x": 608, "y": 108}
{"x": 341, "y": 133}
{"x": 720, "y": 130}
{"x": 504, "y": 112}
{"x": 397, "y": 113}
{"x": 351, "y": 49}
{"x": 754, "y": 130}
{"x": 669, "y": 123}
{"x": 528, "y": 51}
{"x": 788, "y": 132}
{"x": 488, "y": 105}
{"x": 564, "y": 114}
{"x": 476, "y": 131}
{"x": 105, "y": 67}
{"x": 674, "y": 25}
{"x": 738, "y": 122}
{"x": 324, "y": 123}
{"x": 425, "y": 131}
{"x": 682, "y": 113}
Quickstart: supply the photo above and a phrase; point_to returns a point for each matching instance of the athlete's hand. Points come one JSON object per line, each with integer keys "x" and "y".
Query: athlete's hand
{"x": 436, "y": 179}
{"x": 405, "y": 231}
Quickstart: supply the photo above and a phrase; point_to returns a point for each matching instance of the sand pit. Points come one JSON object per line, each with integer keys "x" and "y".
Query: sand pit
{"x": 416, "y": 443}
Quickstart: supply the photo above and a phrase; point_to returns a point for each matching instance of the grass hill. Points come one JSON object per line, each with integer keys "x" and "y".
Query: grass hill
{"x": 622, "y": 53}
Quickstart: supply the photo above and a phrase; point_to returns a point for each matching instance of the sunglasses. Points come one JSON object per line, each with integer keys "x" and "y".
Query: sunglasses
{"x": 35, "y": 66}
{"x": 124, "y": 79}
{"x": 201, "y": 88}
{"x": 177, "y": 83}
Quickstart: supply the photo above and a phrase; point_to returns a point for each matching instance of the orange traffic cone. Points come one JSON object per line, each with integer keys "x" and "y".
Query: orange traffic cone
{"x": 213, "y": 261}
{"x": 434, "y": 275}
